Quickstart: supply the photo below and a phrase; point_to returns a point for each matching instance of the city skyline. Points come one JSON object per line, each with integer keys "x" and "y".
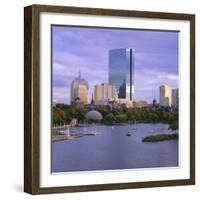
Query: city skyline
{"x": 86, "y": 50}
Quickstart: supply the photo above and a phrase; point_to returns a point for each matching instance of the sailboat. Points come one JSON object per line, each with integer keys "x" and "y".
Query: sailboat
{"x": 128, "y": 134}
{"x": 134, "y": 124}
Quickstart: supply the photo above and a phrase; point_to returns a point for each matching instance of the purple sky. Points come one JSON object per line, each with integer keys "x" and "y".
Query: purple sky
{"x": 86, "y": 50}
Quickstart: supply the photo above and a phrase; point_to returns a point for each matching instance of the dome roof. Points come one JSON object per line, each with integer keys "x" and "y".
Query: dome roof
{"x": 95, "y": 115}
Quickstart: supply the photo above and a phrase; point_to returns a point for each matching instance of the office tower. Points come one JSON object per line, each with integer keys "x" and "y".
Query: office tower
{"x": 175, "y": 97}
{"x": 165, "y": 95}
{"x": 102, "y": 93}
{"x": 121, "y": 72}
{"x": 79, "y": 89}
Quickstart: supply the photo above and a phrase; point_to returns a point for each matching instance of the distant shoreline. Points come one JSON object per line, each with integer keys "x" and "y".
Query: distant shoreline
{"x": 160, "y": 137}
{"x": 73, "y": 135}
{"x": 57, "y": 137}
{"x": 110, "y": 124}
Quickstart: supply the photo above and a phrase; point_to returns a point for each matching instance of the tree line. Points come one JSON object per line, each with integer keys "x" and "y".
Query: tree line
{"x": 64, "y": 113}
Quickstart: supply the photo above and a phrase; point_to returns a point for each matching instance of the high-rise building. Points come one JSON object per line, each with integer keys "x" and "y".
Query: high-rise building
{"x": 102, "y": 93}
{"x": 79, "y": 89}
{"x": 97, "y": 93}
{"x": 121, "y": 72}
{"x": 165, "y": 95}
{"x": 175, "y": 97}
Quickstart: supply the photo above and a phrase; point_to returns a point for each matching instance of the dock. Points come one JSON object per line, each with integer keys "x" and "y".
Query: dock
{"x": 73, "y": 135}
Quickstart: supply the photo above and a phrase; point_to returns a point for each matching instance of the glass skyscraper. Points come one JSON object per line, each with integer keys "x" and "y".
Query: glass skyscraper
{"x": 121, "y": 71}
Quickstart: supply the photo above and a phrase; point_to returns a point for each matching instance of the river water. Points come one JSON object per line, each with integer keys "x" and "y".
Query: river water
{"x": 112, "y": 149}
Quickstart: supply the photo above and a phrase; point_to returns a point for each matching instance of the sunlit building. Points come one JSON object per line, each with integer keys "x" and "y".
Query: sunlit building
{"x": 79, "y": 90}
{"x": 121, "y": 72}
{"x": 140, "y": 104}
{"x": 102, "y": 93}
{"x": 121, "y": 103}
{"x": 126, "y": 102}
{"x": 165, "y": 95}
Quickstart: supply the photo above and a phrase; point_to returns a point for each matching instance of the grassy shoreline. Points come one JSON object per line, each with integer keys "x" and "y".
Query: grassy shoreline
{"x": 160, "y": 137}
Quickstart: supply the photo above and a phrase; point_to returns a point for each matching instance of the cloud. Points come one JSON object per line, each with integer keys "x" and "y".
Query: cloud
{"x": 61, "y": 94}
{"x": 66, "y": 68}
{"x": 86, "y": 50}
{"x": 164, "y": 75}
{"x": 147, "y": 83}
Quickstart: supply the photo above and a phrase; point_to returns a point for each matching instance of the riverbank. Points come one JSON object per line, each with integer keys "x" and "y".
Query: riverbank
{"x": 57, "y": 137}
{"x": 71, "y": 135}
{"x": 60, "y": 134}
{"x": 160, "y": 137}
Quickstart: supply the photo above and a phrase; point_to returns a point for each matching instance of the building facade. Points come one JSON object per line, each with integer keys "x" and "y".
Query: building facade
{"x": 126, "y": 102}
{"x": 79, "y": 90}
{"x": 121, "y": 72}
{"x": 165, "y": 96}
{"x": 121, "y": 103}
{"x": 175, "y": 97}
{"x": 102, "y": 93}
{"x": 140, "y": 104}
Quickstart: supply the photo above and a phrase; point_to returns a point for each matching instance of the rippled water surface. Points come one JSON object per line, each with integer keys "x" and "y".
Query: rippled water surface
{"x": 112, "y": 149}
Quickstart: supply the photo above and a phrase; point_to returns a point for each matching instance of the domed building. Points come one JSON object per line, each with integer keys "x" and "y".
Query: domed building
{"x": 79, "y": 89}
{"x": 93, "y": 115}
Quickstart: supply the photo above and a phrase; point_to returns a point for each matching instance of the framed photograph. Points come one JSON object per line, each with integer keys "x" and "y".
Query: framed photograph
{"x": 109, "y": 99}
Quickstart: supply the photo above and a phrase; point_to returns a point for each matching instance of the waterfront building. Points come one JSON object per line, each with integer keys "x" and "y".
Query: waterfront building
{"x": 121, "y": 72}
{"x": 165, "y": 96}
{"x": 121, "y": 102}
{"x": 140, "y": 104}
{"x": 115, "y": 93}
{"x": 126, "y": 102}
{"x": 175, "y": 97}
{"x": 79, "y": 89}
{"x": 102, "y": 93}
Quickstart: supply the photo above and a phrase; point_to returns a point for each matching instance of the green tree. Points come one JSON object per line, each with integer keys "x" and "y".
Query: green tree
{"x": 103, "y": 111}
{"x": 121, "y": 118}
{"x": 79, "y": 113}
{"x": 59, "y": 116}
{"x": 109, "y": 119}
{"x": 174, "y": 125}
